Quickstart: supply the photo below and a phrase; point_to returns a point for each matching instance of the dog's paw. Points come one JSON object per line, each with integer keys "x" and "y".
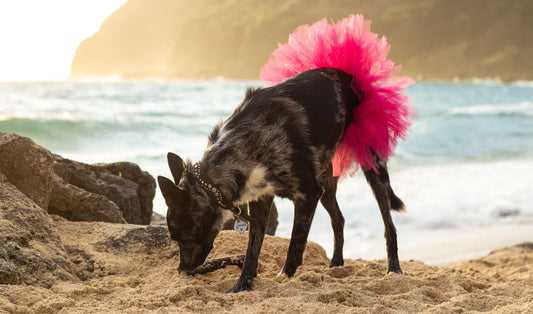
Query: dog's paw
{"x": 281, "y": 277}
{"x": 336, "y": 262}
{"x": 288, "y": 270}
{"x": 395, "y": 271}
{"x": 241, "y": 285}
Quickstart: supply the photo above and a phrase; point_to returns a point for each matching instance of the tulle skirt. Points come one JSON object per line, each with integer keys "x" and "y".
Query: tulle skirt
{"x": 383, "y": 115}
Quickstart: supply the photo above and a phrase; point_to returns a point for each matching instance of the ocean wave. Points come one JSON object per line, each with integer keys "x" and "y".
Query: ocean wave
{"x": 67, "y": 126}
{"x": 37, "y": 116}
{"x": 521, "y": 109}
{"x": 97, "y": 79}
{"x": 522, "y": 83}
{"x": 55, "y": 128}
{"x": 495, "y": 81}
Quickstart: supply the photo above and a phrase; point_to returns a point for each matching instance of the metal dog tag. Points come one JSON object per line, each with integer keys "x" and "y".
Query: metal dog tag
{"x": 240, "y": 225}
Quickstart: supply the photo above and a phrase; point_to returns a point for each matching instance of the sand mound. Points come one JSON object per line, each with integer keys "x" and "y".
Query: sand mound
{"x": 130, "y": 268}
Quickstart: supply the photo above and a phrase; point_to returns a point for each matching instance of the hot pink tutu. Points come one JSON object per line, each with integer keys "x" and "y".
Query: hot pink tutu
{"x": 383, "y": 114}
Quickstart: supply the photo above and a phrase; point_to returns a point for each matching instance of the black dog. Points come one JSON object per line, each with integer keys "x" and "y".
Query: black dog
{"x": 279, "y": 141}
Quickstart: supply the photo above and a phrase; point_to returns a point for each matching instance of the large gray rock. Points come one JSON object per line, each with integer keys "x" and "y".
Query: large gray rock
{"x": 76, "y": 204}
{"x": 158, "y": 219}
{"x": 31, "y": 251}
{"x": 123, "y": 183}
{"x": 28, "y": 166}
{"x": 146, "y": 186}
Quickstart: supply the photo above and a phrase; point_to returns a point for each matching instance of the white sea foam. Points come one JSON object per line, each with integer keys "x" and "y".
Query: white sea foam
{"x": 446, "y": 197}
{"x": 525, "y": 108}
{"x": 99, "y": 79}
{"x": 523, "y": 83}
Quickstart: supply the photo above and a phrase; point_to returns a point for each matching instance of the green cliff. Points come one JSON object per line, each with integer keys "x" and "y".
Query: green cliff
{"x": 433, "y": 40}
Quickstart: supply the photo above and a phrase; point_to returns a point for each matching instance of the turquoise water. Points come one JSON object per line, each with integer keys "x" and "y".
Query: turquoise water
{"x": 468, "y": 159}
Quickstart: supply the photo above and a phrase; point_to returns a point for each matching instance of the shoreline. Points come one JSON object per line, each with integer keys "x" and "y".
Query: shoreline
{"x": 443, "y": 247}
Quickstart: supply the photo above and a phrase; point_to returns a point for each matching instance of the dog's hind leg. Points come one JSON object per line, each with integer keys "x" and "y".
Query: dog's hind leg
{"x": 259, "y": 212}
{"x": 380, "y": 184}
{"x": 304, "y": 210}
{"x": 329, "y": 201}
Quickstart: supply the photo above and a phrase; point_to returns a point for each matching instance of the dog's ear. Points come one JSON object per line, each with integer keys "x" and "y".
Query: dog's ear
{"x": 174, "y": 197}
{"x": 176, "y": 165}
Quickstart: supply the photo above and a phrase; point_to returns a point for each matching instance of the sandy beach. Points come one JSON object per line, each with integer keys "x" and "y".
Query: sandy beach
{"x": 131, "y": 277}
{"x": 442, "y": 247}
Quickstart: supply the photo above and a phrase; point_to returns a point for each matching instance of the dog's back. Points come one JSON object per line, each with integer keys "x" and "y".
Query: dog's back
{"x": 282, "y": 138}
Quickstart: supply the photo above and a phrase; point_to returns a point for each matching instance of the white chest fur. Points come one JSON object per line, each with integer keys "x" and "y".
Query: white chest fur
{"x": 256, "y": 186}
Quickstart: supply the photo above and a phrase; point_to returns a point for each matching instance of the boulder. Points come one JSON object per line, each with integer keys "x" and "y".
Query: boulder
{"x": 146, "y": 185}
{"x": 158, "y": 219}
{"x": 76, "y": 204}
{"x": 123, "y": 183}
{"x": 28, "y": 166}
{"x": 31, "y": 251}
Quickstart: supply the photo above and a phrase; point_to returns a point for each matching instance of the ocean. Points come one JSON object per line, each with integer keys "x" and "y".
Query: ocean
{"x": 467, "y": 164}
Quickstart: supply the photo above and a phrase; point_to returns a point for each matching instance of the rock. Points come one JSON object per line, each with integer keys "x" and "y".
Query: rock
{"x": 525, "y": 245}
{"x": 507, "y": 212}
{"x": 118, "y": 192}
{"x": 142, "y": 239}
{"x": 158, "y": 219}
{"x": 31, "y": 250}
{"x": 27, "y": 166}
{"x": 146, "y": 185}
{"x": 76, "y": 204}
{"x": 123, "y": 183}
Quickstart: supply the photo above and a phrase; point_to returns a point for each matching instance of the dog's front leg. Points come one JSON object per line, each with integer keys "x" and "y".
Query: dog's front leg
{"x": 304, "y": 211}
{"x": 259, "y": 212}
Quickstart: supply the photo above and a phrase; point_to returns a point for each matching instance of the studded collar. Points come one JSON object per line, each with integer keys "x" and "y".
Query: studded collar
{"x": 211, "y": 189}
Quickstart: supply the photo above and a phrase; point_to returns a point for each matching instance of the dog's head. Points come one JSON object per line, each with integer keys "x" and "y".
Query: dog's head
{"x": 193, "y": 220}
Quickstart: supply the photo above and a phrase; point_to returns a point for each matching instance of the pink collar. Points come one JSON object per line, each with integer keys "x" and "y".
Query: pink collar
{"x": 211, "y": 189}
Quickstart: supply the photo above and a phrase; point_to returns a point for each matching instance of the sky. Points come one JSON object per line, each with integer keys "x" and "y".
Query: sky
{"x": 38, "y": 38}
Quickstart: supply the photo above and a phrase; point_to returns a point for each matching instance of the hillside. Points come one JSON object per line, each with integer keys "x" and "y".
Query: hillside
{"x": 433, "y": 40}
